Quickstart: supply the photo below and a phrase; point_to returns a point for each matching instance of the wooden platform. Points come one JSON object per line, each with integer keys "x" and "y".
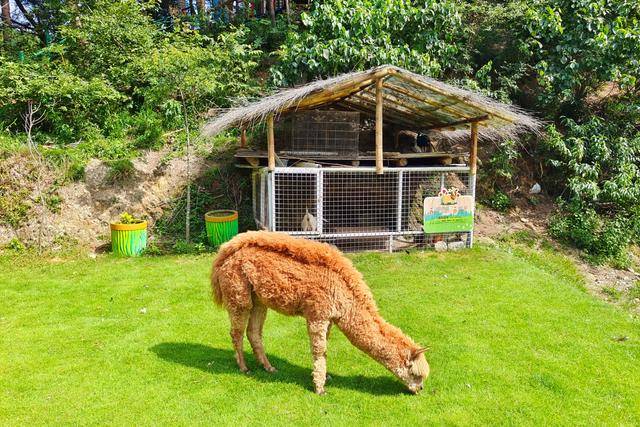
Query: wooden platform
{"x": 254, "y": 158}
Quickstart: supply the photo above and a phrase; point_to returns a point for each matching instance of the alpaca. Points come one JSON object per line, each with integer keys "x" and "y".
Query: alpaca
{"x": 258, "y": 270}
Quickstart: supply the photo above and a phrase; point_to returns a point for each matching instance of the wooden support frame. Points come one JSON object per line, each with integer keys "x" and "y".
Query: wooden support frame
{"x": 379, "y": 128}
{"x": 473, "y": 152}
{"x": 243, "y": 138}
{"x": 473, "y": 120}
{"x": 271, "y": 146}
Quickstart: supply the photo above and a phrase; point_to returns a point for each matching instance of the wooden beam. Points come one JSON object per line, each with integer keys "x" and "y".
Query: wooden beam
{"x": 473, "y": 152}
{"x": 390, "y": 111}
{"x": 472, "y": 120}
{"x": 271, "y": 149}
{"x": 371, "y": 110}
{"x": 243, "y": 138}
{"x": 414, "y": 109}
{"x": 438, "y": 105}
{"x": 379, "y": 140}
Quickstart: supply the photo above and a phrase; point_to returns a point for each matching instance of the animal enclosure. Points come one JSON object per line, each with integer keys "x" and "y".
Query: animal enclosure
{"x": 355, "y": 208}
{"x": 356, "y": 160}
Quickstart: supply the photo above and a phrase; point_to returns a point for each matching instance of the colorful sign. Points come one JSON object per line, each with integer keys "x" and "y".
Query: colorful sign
{"x": 449, "y": 212}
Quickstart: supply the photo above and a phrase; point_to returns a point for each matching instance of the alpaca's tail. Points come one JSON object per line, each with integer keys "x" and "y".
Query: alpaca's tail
{"x": 215, "y": 288}
{"x": 225, "y": 251}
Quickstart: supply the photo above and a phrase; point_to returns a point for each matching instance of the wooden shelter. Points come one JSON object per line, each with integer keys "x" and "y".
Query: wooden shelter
{"x": 387, "y": 102}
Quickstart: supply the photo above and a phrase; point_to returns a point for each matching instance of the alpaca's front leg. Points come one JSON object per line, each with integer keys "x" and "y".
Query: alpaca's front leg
{"x": 318, "y": 336}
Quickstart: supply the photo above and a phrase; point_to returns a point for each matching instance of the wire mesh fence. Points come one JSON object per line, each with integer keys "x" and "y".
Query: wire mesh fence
{"x": 320, "y": 133}
{"x": 357, "y": 209}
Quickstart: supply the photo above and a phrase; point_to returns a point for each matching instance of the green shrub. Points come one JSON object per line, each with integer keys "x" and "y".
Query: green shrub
{"x": 182, "y": 247}
{"x": 498, "y": 201}
{"x": 120, "y": 170}
{"x": 346, "y": 35}
{"x": 127, "y": 218}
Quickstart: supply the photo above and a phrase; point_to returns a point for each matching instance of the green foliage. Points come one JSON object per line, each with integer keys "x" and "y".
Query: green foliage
{"x": 120, "y": 170}
{"x": 114, "y": 81}
{"x": 500, "y": 44}
{"x": 602, "y": 238}
{"x": 14, "y": 209}
{"x": 599, "y": 161}
{"x": 498, "y": 200}
{"x": 345, "y": 35}
{"x": 182, "y": 247}
{"x": 15, "y": 245}
{"x": 581, "y": 45}
{"x": 127, "y": 218}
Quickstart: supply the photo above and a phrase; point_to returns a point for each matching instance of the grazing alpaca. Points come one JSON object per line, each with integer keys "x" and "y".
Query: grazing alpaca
{"x": 259, "y": 270}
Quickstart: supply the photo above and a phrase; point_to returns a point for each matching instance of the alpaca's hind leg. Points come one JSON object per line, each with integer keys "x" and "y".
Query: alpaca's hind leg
{"x": 318, "y": 336}
{"x": 254, "y": 332}
{"x": 239, "y": 320}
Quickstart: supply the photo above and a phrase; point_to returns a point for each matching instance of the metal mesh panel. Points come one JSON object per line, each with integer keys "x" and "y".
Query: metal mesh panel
{"x": 296, "y": 202}
{"x": 260, "y": 198}
{"x": 320, "y": 133}
{"x": 359, "y": 202}
{"x": 358, "y": 210}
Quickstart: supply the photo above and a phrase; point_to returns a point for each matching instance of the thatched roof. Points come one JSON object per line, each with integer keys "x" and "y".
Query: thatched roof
{"x": 411, "y": 101}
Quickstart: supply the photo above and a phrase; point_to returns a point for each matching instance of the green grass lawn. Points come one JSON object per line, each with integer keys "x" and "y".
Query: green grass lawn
{"x": 514, "y": 339}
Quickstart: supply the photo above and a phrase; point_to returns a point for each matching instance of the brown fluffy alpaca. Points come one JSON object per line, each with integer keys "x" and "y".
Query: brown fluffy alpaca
{"x": 259, "y": 270}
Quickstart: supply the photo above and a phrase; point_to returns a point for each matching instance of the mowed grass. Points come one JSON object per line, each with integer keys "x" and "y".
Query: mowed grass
{"x": 513, "y": 339}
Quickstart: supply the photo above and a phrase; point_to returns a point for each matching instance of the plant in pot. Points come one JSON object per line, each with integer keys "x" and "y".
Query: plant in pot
{"x": 221, "y": 225}
{"x": 128, "y": 235}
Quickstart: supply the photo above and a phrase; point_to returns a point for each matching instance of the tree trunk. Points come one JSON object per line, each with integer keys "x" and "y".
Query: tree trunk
{"x": 182, "y": 6}
{"x": 272, "y": 10}
{"x": 6, "y": 20}
{"x": 201, "y": 7}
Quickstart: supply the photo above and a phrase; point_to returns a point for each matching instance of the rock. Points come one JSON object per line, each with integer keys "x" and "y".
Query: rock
{"x": 536, "y": 189}
{"x": 440, "y": 246}
{"x": 456, "y": 246}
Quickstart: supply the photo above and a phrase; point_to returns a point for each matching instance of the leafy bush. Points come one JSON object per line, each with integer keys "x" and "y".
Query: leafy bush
{"x": 345, "y": 35}
{"x": 127, "y": 218}
{"x": 120, "y": 170}
{"x": 581, "y": 45}
{"x": 115, "y": 80}
{"x": 499, "y": 201}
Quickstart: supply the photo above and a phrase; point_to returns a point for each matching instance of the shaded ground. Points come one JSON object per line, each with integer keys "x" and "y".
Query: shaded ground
{"x": 514, "y": 339}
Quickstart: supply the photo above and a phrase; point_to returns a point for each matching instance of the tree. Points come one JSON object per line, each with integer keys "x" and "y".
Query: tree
{"x": 6, "y": 19}
{"x": 345, "y": 35}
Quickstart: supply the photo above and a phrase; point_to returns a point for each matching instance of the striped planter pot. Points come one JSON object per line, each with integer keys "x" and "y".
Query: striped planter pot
{"x": 221, "y": 226}
{"x": 129, "y": 239}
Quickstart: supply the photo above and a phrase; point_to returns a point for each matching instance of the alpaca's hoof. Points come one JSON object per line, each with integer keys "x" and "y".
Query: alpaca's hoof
{"x": 270, "y": 369}
{"x": 320, "y": 392}
{"x": 329, "y": 378}
{"x": 245, "y": 371}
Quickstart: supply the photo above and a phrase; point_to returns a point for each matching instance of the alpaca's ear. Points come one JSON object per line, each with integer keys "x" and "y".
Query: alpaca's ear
{"x": 418, "y": 352}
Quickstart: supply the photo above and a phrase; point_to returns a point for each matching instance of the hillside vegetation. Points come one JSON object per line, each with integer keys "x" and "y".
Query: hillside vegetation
{"x": 110, "y": 78}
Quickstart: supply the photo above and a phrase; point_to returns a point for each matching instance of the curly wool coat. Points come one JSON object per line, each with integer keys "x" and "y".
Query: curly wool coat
{"x": 260, "y": 270}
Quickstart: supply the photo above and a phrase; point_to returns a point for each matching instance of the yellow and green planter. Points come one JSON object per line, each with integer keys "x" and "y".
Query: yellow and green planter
{"x": 129, "y": 239}
{"x": 221, "y": 226}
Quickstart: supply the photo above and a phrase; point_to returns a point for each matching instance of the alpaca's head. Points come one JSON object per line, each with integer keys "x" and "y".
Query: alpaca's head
{"x": 413, "y": 370}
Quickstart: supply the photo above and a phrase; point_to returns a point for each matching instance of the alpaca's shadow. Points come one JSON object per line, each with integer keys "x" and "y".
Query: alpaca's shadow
{"x": 222, "y": 361}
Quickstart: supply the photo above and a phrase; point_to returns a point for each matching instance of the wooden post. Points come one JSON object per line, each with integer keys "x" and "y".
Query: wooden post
{"x": 243, "y": 138}
{"x": 271, "y": 143}
{"x": 379, "y": 147}
{"x": 272, "y": 11}
{"x": 473, "y": 152}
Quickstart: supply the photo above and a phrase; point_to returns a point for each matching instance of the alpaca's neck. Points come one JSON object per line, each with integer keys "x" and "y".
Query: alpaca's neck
{"x": 369, "y": 332}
